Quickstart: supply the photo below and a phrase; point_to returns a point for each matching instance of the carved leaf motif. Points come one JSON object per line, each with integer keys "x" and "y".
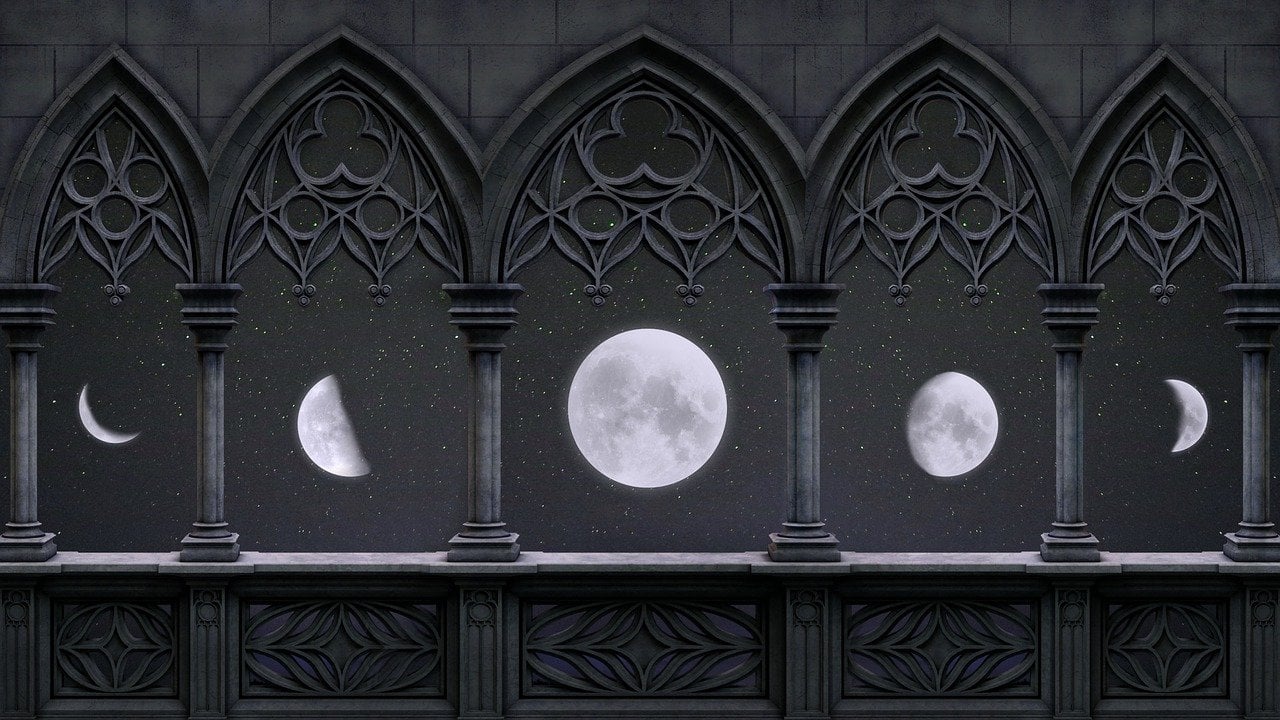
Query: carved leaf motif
{"x": 644, "y": 649}
{"x": 116, "y": 198}
{"x": 343, "y": 172}
{"x": 938, "y": 171}
{"x": 644, "y": 167}
{"x": 115, "y": 648}
{"x": 345, "y": 648}
{"x": 1164, "y": 198}
{"x": 937, "y": 648}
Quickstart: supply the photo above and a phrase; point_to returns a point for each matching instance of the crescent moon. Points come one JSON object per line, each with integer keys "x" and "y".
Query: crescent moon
{"x": 95, "y": 428}
{"x": 326, "y": 434}
{"x": 1194, "y": 414}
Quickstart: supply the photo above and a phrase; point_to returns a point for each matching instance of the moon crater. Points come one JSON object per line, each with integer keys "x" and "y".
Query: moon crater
{"x": 647, "y": 408}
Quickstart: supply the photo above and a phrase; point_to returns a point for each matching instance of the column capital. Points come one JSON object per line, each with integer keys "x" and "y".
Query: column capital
{"x": 209, "y": 310}
{"x": 483, "y": 312}
{"x": 26, "y": 306}
{"x": 804, "y": 312}
{"x": 1070, "y": 310}
{"x": 1254, "y": 310}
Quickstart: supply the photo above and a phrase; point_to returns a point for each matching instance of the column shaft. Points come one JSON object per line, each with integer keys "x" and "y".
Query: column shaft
{"x": 25, "y": 311}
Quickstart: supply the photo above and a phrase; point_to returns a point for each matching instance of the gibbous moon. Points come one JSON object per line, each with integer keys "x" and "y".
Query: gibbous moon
{"x": 326, "y": 434}
{"x": 103, "y": 434}
{"x": 952, "y": 425}
{"x": 1195, "y": 414}
{"x": 647, "y": 408}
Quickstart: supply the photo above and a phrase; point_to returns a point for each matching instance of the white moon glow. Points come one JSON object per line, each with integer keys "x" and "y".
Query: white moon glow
{"x": 647, "y": 408}
{"x": 952, "y": 425}
{"x": 1195, "y": 414}
{"x": 103, "y": 434}
{"x": 326, "y": 434}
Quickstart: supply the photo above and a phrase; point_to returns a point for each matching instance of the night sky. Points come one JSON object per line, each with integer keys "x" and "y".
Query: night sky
{"x": 403, "y": 376}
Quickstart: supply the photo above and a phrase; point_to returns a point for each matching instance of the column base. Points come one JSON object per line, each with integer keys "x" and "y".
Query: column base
{"x": 792, "y": 549}
{"x": 1247, "y": 549}
{"x": 32, "y": 549}
{"x": 1078, "y": 549}
{"x": 199, "y": 549}
{"x": 484, "y": 549}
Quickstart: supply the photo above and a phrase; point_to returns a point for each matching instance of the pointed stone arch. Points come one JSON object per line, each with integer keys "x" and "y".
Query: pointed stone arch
{"x": 1015, "y": 189}
{"x": 744, "y": 168}
{"x": 417, "y": 187}
{"x": 1166, "y": 119}
{"x": 113, "y": 169}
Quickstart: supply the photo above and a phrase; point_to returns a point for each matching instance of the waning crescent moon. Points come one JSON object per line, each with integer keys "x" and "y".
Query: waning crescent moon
{"x": 1194, "y": 414}
{"x": 326, "y": 433}
{"x": 95, "y": 428}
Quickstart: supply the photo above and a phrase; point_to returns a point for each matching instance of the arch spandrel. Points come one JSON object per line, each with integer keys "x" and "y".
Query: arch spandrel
{"x": 1012, "y": 191}
{"x": 1168, "y": 119}
{"x": 402, "y": 175}
{"x": 115, "y": 170}
{"x": 737, "y": 182}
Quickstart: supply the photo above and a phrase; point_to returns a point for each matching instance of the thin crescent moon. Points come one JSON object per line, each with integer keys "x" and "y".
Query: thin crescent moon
{"x": 1194, "y": 414}
{"x": 95, "y": 428}
{"x": 326, "y": 433}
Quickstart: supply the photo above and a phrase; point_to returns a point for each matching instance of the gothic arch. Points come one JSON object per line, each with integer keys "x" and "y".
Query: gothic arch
{"x": 1232, "y": 213}
{"x": 754, "y": 201}
{"x": 141, "y": 180}
{"x": 1015, "y": 146}
{"x": 423, "y": 192}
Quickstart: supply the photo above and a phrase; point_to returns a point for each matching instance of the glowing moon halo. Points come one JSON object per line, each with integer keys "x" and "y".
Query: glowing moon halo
{"x": 1194, "y": 416}
{"x": 647, "y": 408}
{"x": 95, "y": 428}
{"x": 325, "y": 431}
{"x": 952, "y": 425}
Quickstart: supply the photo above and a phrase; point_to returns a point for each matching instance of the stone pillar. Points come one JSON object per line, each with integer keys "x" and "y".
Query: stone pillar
{"x": 804, "y": 312}
{"x": 484, "y": 312}
{"x": 25, "y": 310}
{"x": 482, "y": 652}
{"x": 1254, "y": 311}
{"x": 209, "y": 311}
{"x": 1070, "y": 310}
{"x": 1070, "y": 650}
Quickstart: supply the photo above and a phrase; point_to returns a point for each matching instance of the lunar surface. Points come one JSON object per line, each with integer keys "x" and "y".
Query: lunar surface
{"x": 1194, "y": 414}
{"x": 951, "y": 425}
{"x": 647, "y": 408}
{"x": 326, "y": 434}
{"x": 95, "y": 428}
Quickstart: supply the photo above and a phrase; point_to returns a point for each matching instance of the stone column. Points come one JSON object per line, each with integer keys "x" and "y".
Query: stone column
{"x": 1070, "y": 310}
{"x": 25, "y": 310}
{"x": 804, "y": 312}
{"x": 484, "y": 312}
{"x": 1254, "y": 311}
{"x": 209, "y": 311}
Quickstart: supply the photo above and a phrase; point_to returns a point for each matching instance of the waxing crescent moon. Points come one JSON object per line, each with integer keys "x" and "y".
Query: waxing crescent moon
{"x": 95, "y": 428}
{"x": 1194, "y": 414}
{"x": 326, "y": 433}
{"x": 647, "y": 408}
{"x": 952, "y": 425}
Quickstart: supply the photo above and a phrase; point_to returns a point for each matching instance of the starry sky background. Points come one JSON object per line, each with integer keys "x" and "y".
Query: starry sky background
{"x": 403, "y": 377}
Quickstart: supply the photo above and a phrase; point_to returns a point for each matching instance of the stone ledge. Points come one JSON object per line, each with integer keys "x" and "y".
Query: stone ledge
{"x": 534, "y": 563}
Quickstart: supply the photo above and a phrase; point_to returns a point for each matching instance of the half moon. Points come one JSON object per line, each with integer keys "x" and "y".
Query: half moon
{"x": 1194, "y": 414}
{"x": 326, "y": 434}
{"x": 95, "y": 428}
{"x": 647, "y": 408}
{"x": 952, "y": 425}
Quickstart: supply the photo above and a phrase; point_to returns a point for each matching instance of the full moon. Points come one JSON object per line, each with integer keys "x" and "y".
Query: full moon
{"x": 326, "y": 434}
{"x": 647, "y": 408}
{"x": 952, "y": 425}
{"x": 97, "y": 429}
{"x": 1194, "y": 414}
